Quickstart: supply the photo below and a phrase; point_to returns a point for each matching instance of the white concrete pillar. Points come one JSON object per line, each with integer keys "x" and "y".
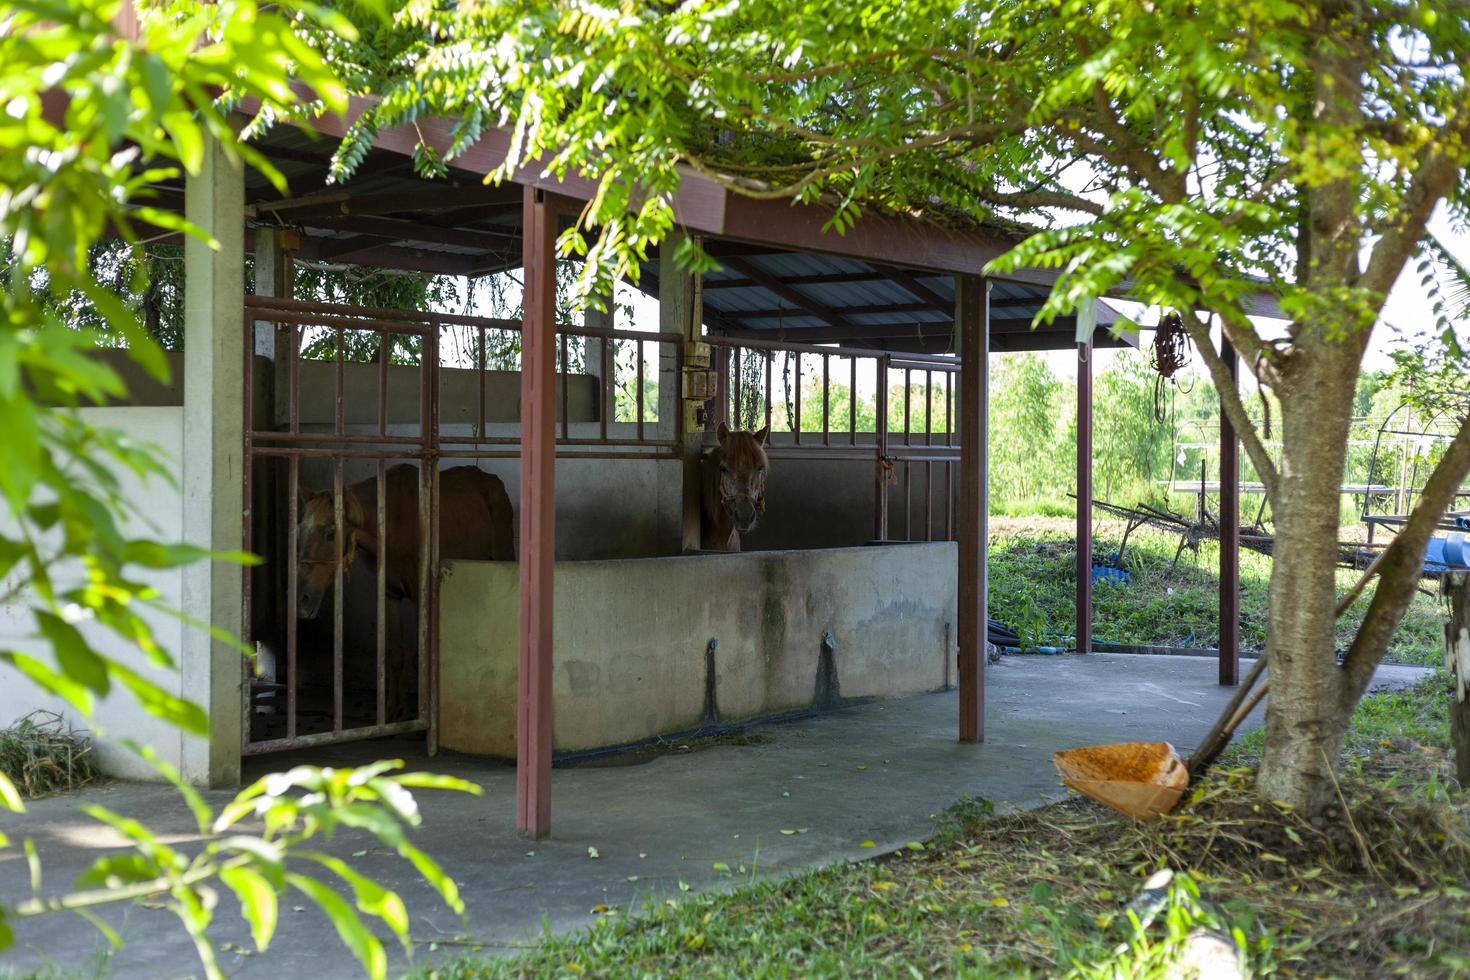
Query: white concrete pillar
{"x": 213, "y": 492}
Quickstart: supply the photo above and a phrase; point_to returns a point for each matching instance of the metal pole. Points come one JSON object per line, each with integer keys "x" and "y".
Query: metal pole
{"x": 974, "y": 335}
{"x": 538, "y": 516}
{"x": 1229, "y": 535}
{"x": 1084, "y": 496}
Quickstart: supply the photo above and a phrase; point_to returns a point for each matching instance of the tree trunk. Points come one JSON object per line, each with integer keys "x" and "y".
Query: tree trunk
{"x": 1307, "y": 714}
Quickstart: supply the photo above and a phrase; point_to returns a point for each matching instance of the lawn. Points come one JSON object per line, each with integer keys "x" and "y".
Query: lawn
{"x": 1377, "y": 888}
{"x": 1033, "y": 583}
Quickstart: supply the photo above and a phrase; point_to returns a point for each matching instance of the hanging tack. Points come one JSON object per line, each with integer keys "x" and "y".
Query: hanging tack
{"x": 1170, "y": 355}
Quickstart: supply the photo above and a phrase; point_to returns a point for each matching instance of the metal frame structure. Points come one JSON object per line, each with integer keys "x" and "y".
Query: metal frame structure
{"x": 907, "y": 289}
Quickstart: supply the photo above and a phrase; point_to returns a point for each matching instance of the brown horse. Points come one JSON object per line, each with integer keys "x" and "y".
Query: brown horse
{"x": 474, "y": 522}
{"x": 733, "y": 476}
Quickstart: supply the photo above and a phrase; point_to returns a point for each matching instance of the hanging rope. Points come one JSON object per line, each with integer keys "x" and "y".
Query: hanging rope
{"x": 1170, "y": 354}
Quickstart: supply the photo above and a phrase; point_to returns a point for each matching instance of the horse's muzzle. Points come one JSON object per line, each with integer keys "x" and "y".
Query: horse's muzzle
{"x": 744, "y": 514}
{"x": 308, "y": 602}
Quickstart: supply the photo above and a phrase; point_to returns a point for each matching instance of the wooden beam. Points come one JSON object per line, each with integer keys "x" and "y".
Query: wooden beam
{"x": 971, "y": 293}
{"x": 1084, "y": 497}
{"x": 1229, "y": 535}
{"x": 537, "y": 564}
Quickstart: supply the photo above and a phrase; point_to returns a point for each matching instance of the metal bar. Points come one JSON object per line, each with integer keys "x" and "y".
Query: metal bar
{"x": 826, "y": 399}
{"x": 928, "y": 500}
{"x": 338, "y": 420}
{"x": 331, "y": 738}
{"x": 293, "y": 491}
{"x": 1084, "y": 497}
{"x": 770, "y": 370}
{"x": 638, "y": 357}
{"x": 606, "y": 387}
{"x": 908, "y": 405}
{"x": 1229, "y": 535}
{"x": 880, "y": 490}
{"x": 566, "y": 374}
{"x": 940, "y": 362}
{"x": 852, "y": 398}
{"x": 928, "y": 408}
{"x": 384, "y": 353}
{"x": 948, "y": 500}
{"x": 428, "y": 621}
{"x": 382, "y": 596}
{"x": 796, "y": 399}
{"x": 295, "y": 381}
{"x": 337, "y": 596}
{"x": 908, "y": 501}
{"x": 410, "y": 323}
{"x": 538, "y": 517}
{"x": 371, "y": 439}
{"x": 972, "y": 295}
{"x": 248, "y": 666}
{"x": 739, "y": 357}
{"x": 480, "y": 388}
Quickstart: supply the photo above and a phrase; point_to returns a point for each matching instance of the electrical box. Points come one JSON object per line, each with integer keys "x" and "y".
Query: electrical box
{"x": 700, "y": 384}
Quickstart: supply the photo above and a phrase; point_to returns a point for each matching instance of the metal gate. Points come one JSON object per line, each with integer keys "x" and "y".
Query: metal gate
{"x": 335, "y": 397}
{"x": 911, "y": 444}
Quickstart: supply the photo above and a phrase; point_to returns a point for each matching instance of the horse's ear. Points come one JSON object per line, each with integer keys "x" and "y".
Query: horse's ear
{"x": 761, "y": 433}
{"x": 722, "y": 432}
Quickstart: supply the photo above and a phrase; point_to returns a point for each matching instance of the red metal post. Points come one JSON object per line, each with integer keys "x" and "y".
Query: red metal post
{"x": 1229, "y": 536}
{"x": 972, "y": 311}
{"x": 1084, "y": 496}
{"x": 538, "y": 516}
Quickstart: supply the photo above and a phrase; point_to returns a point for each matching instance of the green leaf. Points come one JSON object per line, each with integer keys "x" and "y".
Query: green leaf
{"x": 160, "y": 703}
{"x": 355, "y": 936}
{"x": 372, "y": 897}
{"x": 258, "y": 902}
{"x": 119, "y": 869}
{"x": 434, "y": 875}
{"x": 10, "y": 796}
{"x": 433, "y": 780}
{"x": 48, "y": 680}
{"x": 77, "y": 660}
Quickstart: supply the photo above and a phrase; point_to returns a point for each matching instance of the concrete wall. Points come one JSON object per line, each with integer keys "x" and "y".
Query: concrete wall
{"x": 631, "y": 638}
{"x": 118, "y": 715}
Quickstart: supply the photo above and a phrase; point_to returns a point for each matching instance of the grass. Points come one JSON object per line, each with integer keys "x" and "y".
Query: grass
{"x": 1033, "y": 586}
{"x": 41, "y": 754}
{"x": 1377, "y": 888}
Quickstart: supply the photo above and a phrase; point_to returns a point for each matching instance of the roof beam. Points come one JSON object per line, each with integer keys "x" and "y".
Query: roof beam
{"x": 429, "y": 197}
{"x": 772, "y": 314}
{"x": 395, "y": 230}
{"x": 911, "y": 282}
{"x": 788, "y": 293}
{"x": 828, "y": 278}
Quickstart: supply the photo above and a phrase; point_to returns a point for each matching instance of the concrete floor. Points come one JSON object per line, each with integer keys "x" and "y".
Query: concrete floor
{"x": 875, "y": 771}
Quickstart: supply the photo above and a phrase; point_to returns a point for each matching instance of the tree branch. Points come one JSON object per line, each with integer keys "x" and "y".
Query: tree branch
{"x": 1403, "y": 566}
{"x": 1042, "y": 199}
{"x": 1233, "y": 406}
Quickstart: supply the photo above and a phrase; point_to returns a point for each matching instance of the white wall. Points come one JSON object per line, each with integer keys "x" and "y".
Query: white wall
{"x": 160, "y": 517}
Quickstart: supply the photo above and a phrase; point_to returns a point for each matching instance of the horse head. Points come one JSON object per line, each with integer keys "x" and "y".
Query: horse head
{"x": 742, "y": 477}
{"x": 319, "y": 551}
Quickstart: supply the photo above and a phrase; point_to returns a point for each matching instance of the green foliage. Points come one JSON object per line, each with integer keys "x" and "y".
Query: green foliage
{"x": 92, "y": 121}
{"x": 295, "y": 807}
